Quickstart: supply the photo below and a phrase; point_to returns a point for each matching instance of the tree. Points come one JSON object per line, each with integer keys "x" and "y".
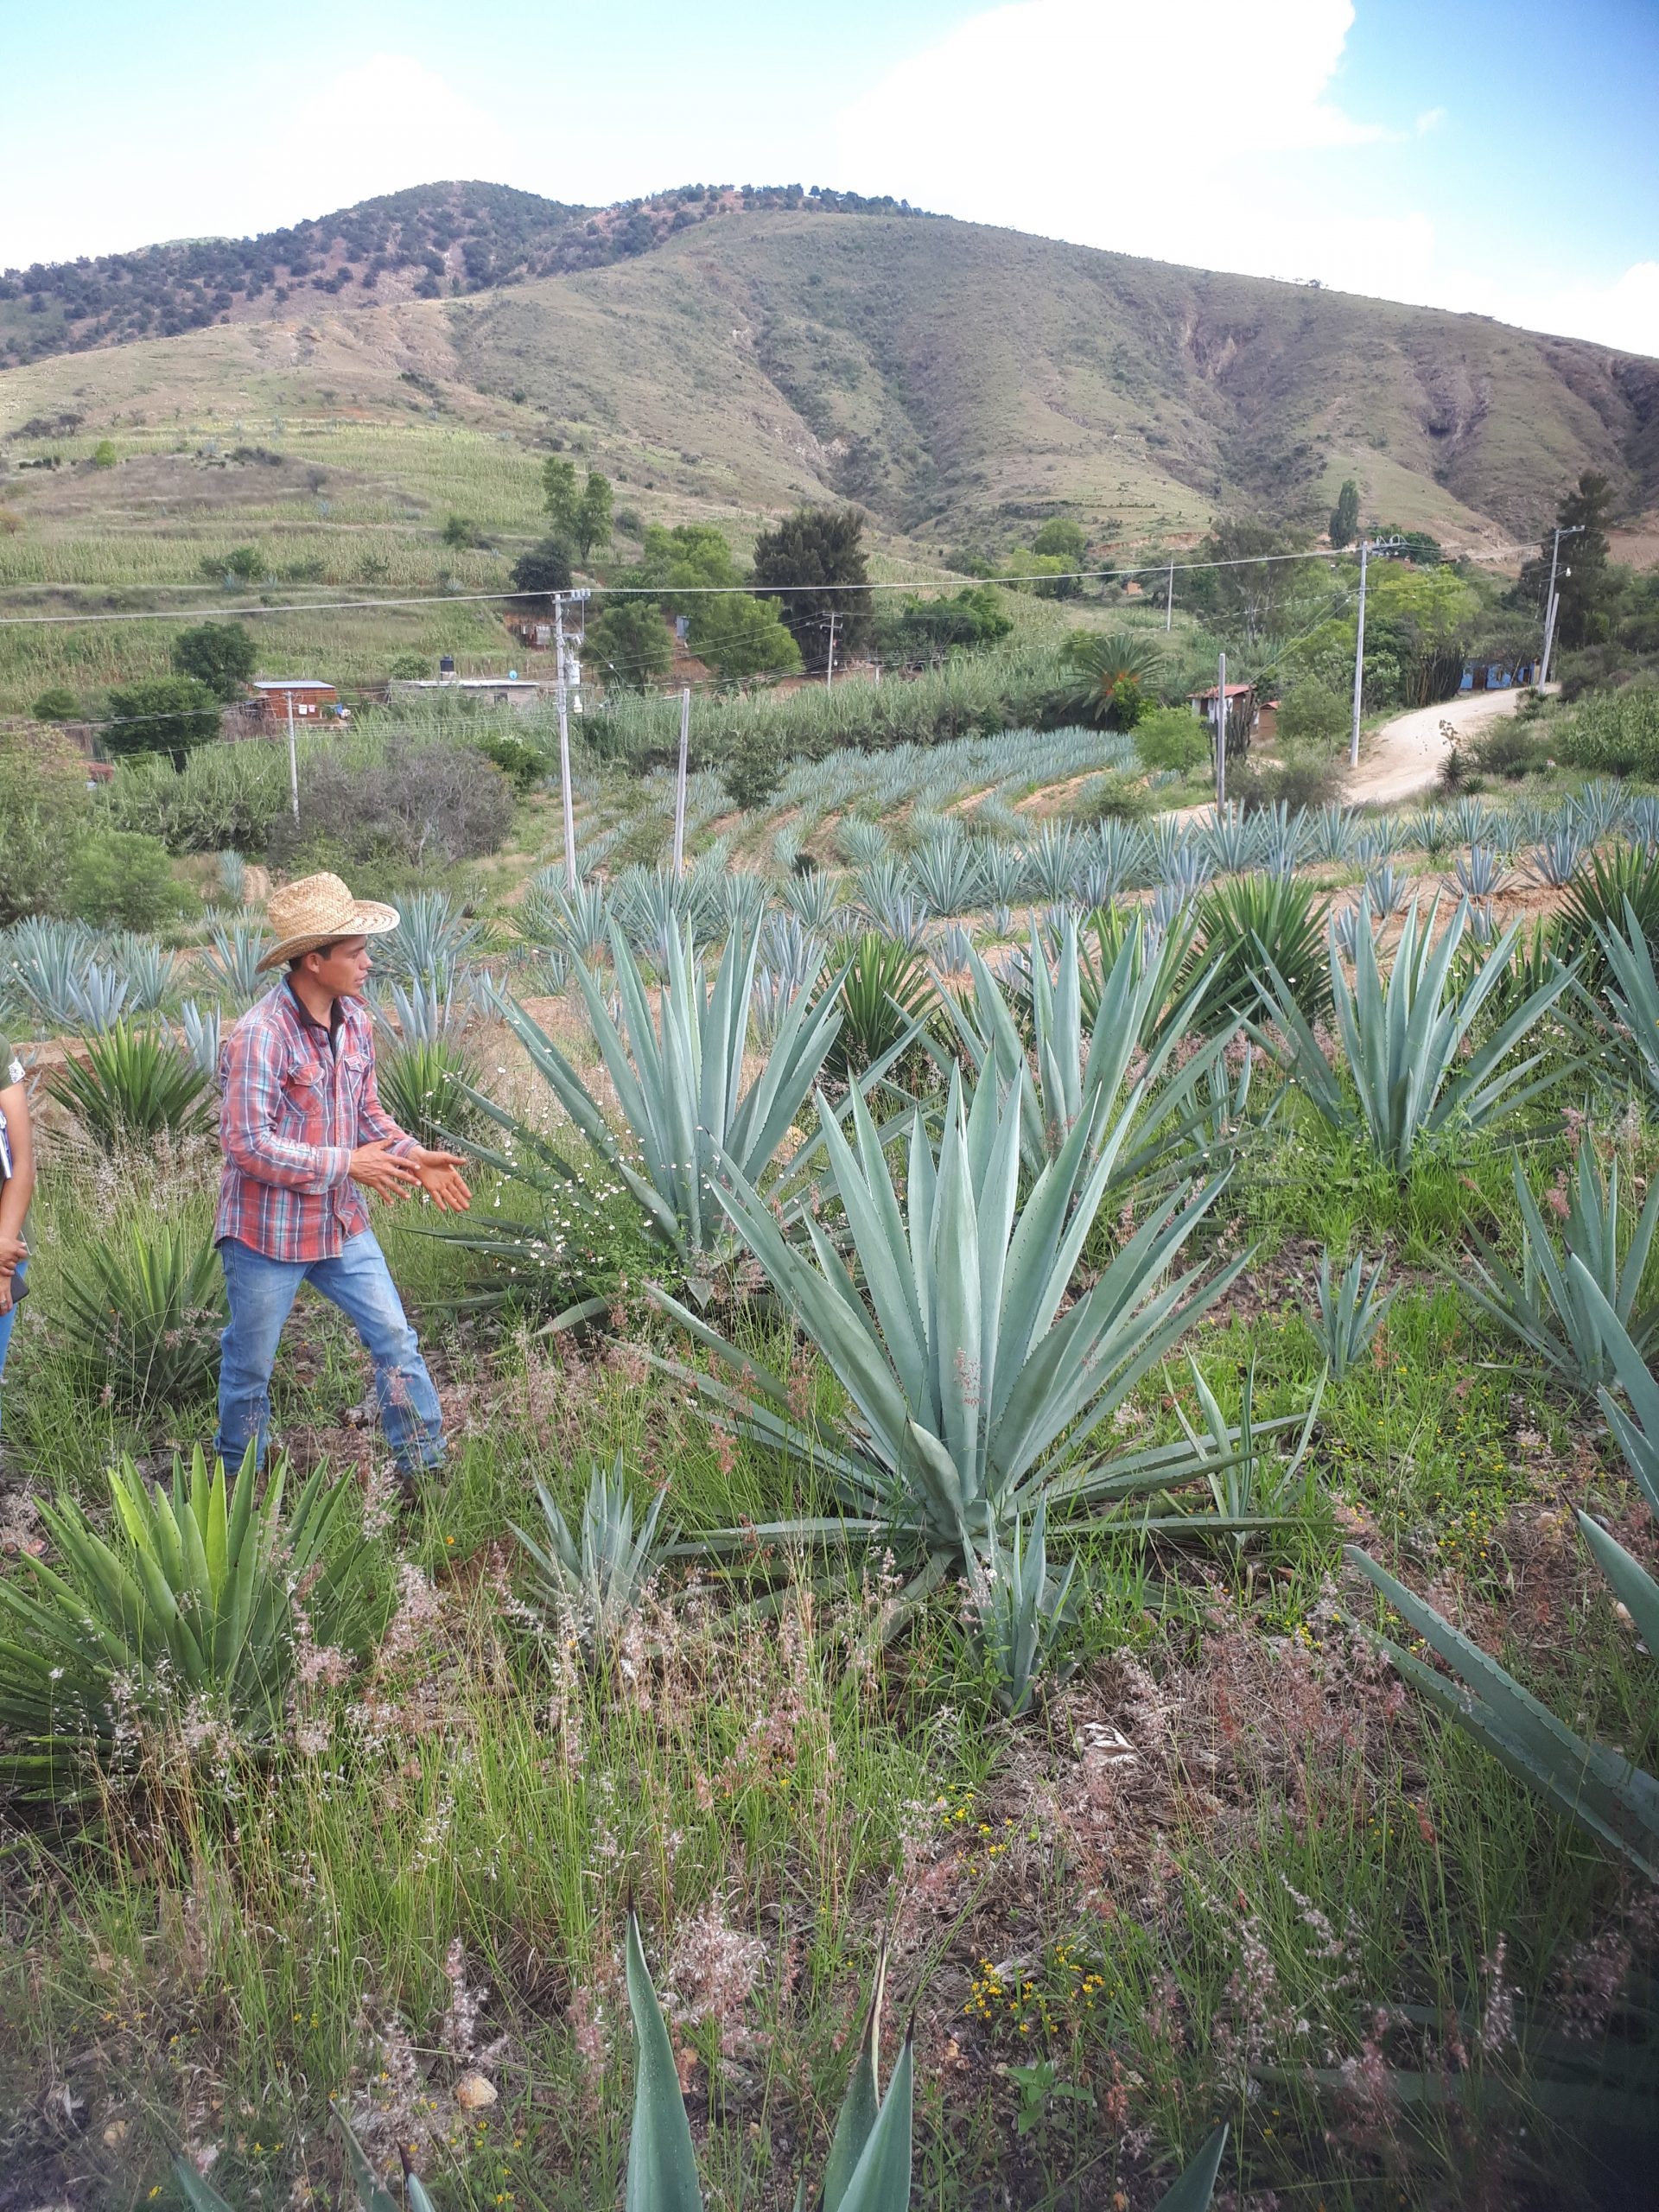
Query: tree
{"x": 739, "y": 636}
{"x": 594, "y": 514}
{"x": 629, "y": 645}
{"x": 1312, "y": 718}
{"x": 1254, "y": 588}
{"x": 170, "y": 714}
{"x": 1171, "y": 737}
{"x": 1345, "y": 516}
{"x": 545, "y": 568}
{"x": 560, "y": 496}
{"x": 690, "y": 555}
{"x": 816, "y": 549}
{"x": 58, "y": 705}
{"x": 1063, "y": 538}
{"x": 462, "y": 534}
{"x": 1112, "y": 675}
{"x": 105, "y": 455}
{"x": 1581, "y": 575}
{"x": 219, "y": 654}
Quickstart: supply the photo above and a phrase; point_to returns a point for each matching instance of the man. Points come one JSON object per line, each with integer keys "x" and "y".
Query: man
{"x": 304, "y": 1135}
{"x": 17, "y": 1188}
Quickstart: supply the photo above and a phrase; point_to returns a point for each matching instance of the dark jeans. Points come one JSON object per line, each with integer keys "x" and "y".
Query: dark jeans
{"x": 357, "y": 1280}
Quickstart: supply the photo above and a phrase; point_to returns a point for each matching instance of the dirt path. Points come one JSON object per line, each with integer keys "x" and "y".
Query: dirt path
{"x": 1404, "y": 756}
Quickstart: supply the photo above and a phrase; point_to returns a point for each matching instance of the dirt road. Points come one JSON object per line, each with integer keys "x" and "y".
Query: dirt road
{"x": 1404, "y": 756}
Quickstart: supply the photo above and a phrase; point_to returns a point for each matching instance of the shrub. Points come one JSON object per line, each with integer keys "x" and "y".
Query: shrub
{"x": 754, "y": 767}
{"x": 545, "y": 568}
{"x": 104, "y": 454}
{"x": 521, "y": 762}
{"x": 141, "y": 1315}
{"x": 423, "y": 805}
{"x": 119, "y": 879}
{"x": 1312, "y": 717}
{"x": 132, "y": 1086}
{"x": 628, "y": 645}
{"x": 1616, "y": 732}
{"x": 740, "y": 637}
{"x": 1509, "y": 751}
{"x": 1295, "y": 784}
{"x": 226, "y": 796}
{"x": 56, "y": 705}
{"x": 886, "y": 989}
{"x": 169, "y": 714}
{"x": 1171, "y": 737}
{"x": 43, "y": 815}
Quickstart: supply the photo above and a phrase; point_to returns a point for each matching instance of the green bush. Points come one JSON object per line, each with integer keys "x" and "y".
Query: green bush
{"x": 1171, "y": 737}
{"x": 43, "y": 813}
{"x": 1509, "y": 751}
{"x": 169, "y": 714}
{"x": 1313, "y": 718}
{"x": 522, "y": 762}
{"x": 1615, "y": 732}
{"x": 219, "y": 655}
{"x": 224, "y": 797}
{"x": 628, "y": 647}
{"x": 119, "y": 879}
{"x": 57, "y": 705}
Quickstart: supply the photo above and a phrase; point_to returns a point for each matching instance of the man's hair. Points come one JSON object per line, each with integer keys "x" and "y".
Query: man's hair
{"x": 324, "y": 948}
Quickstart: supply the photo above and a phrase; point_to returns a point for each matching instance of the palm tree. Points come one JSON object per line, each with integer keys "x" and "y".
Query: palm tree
{"x": 1110, "y": 670}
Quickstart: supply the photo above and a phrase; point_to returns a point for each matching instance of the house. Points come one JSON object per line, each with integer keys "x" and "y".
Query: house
{"x": 265, "y": 714}
{"x": 1501, "y": 675}
{"x": 1243, "y": 712}
{"x": 523, "y": 692}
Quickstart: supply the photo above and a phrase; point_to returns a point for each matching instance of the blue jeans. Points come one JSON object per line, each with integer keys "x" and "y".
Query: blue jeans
{"x": 261, "y": 1292}
{"x": 8, "y": 1318}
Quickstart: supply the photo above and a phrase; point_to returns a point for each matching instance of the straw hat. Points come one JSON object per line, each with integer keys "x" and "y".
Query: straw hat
{"x": 316, "y": 911}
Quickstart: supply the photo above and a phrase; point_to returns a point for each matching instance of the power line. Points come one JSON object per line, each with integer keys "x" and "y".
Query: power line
{"x": 704, "y": 591}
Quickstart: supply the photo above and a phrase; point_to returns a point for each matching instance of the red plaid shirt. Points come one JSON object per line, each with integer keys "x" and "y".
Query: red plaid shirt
{"x": 291, "y": 1115}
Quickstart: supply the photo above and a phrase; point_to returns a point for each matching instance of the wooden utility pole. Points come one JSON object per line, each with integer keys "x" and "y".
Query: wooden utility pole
{"x": 1169, "y": 599}
{"x": 293, "y": 762}
{"x": 679, "y": 784}
{"x": 830, "y": 664}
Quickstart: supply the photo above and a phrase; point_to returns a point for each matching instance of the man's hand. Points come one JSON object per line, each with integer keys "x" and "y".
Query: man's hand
{"x": 441, "y": 1180}
{"x": 377, "y": 1167}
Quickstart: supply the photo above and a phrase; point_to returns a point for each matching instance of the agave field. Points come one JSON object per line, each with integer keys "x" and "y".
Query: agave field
{"x": 1045, "y": 1593}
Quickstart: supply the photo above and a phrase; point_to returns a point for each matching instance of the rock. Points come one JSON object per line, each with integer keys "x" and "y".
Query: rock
{"x": 474, "y": 2094}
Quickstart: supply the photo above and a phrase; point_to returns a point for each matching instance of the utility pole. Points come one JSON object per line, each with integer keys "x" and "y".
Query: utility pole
{"x": 1550, "y": 598}
{"x": 1221, "y": 733}
{"x": 679, "y": 784}
{"x": 830, "y": 664}
{"x": 1359, "y": 654}
{"x": 1169, "y": 598}
{"x": 293, "y": 763}
{"x": 558, "y": 600}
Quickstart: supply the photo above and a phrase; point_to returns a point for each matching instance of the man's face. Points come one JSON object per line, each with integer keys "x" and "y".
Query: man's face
{"x": 343, "y": 969}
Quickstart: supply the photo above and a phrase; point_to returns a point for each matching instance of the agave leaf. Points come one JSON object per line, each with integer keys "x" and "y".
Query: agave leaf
{"x": 662, "y": 2166}
{"x": 372, "y": 2195}
{"x": 861, "y": 2103}
{"x": 1636, "y": 1589}
{"x": 1195, "y": 2188}
{"x": 198, "y": 2194}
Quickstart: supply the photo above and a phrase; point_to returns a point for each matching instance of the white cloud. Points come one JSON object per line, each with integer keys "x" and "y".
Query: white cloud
{"x": 1059, "y": 116}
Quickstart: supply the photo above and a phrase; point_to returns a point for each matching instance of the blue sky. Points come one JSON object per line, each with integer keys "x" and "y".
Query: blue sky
{"x": 1495, "y": 155}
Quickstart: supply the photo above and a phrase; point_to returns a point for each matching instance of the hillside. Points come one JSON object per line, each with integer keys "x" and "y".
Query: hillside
{"x": 962, "y": 383}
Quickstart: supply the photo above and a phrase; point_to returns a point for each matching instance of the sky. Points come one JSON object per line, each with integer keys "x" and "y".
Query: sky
{"x": 1494, "y": 156}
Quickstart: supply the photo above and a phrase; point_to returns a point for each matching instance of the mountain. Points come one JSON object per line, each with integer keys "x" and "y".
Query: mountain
{"x": 727, "y": 353}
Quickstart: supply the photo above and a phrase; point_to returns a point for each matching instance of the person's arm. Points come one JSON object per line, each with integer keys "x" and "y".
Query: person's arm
{"x": 19, "y": 1186}
{"x": 374, "y": 1124}
{"x": 439, "y": 1172}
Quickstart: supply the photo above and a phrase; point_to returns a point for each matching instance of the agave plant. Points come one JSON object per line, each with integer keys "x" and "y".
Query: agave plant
{"x": 1598, "y": 809}
{"x": 946, "y": 873}
{"x": 432, "y": 940}
{"x": 1245, "y": 925}
{"x": 1596, "y": 899}
{"x": 1479, "y": 872}
{"x": 1386, "y": 890}
{"x": 592, "y": 1583}
{"x": 1075, "y": 1071}
{"x": 1599, "y": 1789}
{"x": 577, "y": 921}
{"x": 1250, "y": 1484}
{"x": 1351, "y": 1314}
{"x": 141, "y": 1314}
{"x": 1406, "y": 1040}
{"x": 1004, "y": 870}
{"x": 190, "y": 1606}
{"x": 148, "y": 969}
{"x": 1230, "y": 836}
{"x": 44, "y": 962}
{"x": 814, "y": 899}
{"x": 134, "y": 1084}
{"x": 202, "y": 1033}
{"x": 679, "y": 1083}
{"x": 743, "y": 896}
{"x": 972, "y": 1397}
{"x": 1021, "y": 1613}
{"x": 1556, "y": 859}
{"x": 232, "y": 960}
{"x": 883, "y": 998}
{"x": 233, "y": 872}
{"x": 1053, "y": 860}
{"x": 1542, "y": 1305}
{"x": 1334, "y": 834}
{"x": 427, "y": 1086}
{"x": 1632, "y": 990}
{"x": 862, "y": 843}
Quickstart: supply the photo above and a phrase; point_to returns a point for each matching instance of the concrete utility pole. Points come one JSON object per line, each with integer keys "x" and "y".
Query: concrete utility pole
{"x": 293, "y": 763}
{"x": 1359, "y": 654}
{"x": 1221, "y": 733}
{"x": 679, "y": 784}
{"x": 830, "y": 664}
{"x": 1551, "y": 599}
{"x": 558, "y": 599}
{"x": 1169, "y": 600}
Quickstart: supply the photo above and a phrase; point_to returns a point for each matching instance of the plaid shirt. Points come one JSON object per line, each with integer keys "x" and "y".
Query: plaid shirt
{"x": 291, "y": 1114}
